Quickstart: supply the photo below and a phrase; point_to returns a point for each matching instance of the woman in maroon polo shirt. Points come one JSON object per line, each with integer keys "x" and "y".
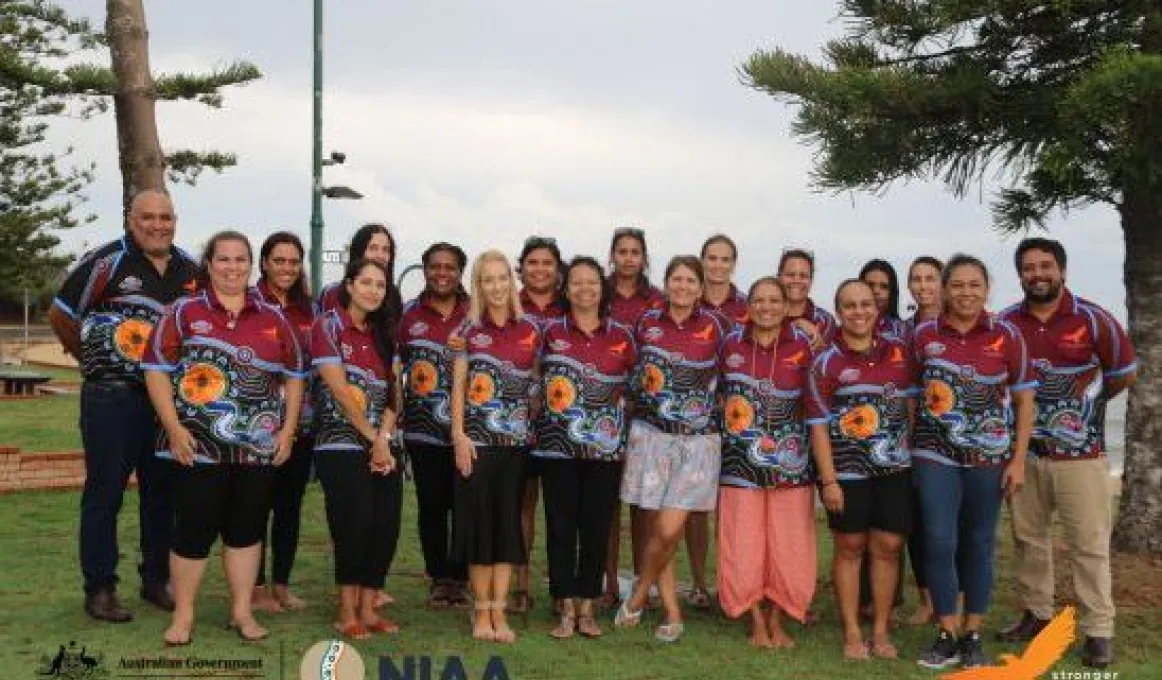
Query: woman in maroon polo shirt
{"x": 539, "y": 267}
{"x": 283, "y": 284}
{"x": 372, "y": 242}
{"x": 972, "y": 434}
{"x": 924, "y": 287}
{"x": 672, "y": 460}
{"x": 633, "y": 295}
{"x": 352, "y": 348}
{"x": 225, "y": 375}
{"x": 881, "y": 277}
{"x": 426, "y": 378}
{"x": 862, "y": 397}
{"x": 766, "y": 512}
{"x": 719, "y": 257}
{"x": 797, "y": 272}
{"x": 580, "y": 436}
{"x": 493, "y": 380}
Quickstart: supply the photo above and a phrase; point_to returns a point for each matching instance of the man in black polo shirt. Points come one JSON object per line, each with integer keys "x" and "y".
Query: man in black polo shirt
{"x": 103, "y": 316}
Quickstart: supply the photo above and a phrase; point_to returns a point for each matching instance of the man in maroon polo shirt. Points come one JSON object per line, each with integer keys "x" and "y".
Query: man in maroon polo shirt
{"x": 103, "y": 315}
{"x": 1083, "y": 359}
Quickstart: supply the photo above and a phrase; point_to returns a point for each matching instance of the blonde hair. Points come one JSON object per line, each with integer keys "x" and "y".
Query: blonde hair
{"x": 476, "y": 309}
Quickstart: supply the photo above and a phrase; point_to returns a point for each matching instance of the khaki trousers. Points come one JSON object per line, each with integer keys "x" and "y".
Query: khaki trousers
{"x": 1079, "y": 491}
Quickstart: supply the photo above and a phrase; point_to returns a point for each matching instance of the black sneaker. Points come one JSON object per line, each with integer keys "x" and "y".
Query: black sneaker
{"x": 944, "y": 652}
{"x": 972, "y": 650}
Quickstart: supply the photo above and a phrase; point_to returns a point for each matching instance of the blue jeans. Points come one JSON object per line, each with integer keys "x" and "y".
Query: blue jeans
{"x": 960, "y": 511}
{"x": 119, "y": 435}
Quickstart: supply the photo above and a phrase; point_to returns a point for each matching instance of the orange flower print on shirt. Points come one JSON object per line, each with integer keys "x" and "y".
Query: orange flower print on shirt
{"x": 423, "y": 378}
{"x": 560, "y": 394}
{"x": 738, "y": 414}
{"x": 653, "y": 380}
{"x": 202, "y": 384}
{"x": 131, "y": 338}
{"x": 360, "y": 397}
{"x": 938, "y": 397}
{"x": 860, "y": 422}
{"x": 481, "y": 388}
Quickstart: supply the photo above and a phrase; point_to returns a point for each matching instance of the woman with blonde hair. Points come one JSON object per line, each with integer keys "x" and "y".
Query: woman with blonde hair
{"x": 493, "y": 379}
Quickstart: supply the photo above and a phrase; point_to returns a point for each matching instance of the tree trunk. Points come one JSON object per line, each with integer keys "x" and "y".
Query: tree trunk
{"x": 1139, "y": 523}
{"x": 141, "y": 159}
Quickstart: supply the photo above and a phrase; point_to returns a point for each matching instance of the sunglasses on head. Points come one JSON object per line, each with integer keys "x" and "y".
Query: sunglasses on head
{"x": 540, "y": 242}
{"x": 629, "y": 231}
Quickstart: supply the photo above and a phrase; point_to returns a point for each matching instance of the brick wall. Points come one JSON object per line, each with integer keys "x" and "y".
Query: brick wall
{"x": 41, "y": 471}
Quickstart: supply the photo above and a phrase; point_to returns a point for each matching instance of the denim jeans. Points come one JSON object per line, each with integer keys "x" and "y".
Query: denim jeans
{"x": 118, "y": 432}
{"x": 961, "y": 506}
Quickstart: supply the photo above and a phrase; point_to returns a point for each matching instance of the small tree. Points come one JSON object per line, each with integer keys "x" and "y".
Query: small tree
{"x": 1065, "y": 97}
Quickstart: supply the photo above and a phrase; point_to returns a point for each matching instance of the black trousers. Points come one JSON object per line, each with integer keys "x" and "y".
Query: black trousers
{"x": 363, "y": 514}
{"x": 434, "y": 467}
{"x": 119, "y": 432}
{"x": 289, "y": 485}
{"x": 579, "y": 499}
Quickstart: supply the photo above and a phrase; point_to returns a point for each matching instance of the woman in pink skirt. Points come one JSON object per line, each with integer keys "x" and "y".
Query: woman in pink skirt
{"x": 766, "y": 523}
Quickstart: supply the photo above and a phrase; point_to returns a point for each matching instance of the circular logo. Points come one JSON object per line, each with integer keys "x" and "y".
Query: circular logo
{"x": 332, "y": 660}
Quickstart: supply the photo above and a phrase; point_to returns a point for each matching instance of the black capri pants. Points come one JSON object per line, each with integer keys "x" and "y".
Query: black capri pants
{"x": 579, "y": 499}
{"x": 227, "y": 500}
{"x": 486, "y": 529}
{"x": 363, "y": 514}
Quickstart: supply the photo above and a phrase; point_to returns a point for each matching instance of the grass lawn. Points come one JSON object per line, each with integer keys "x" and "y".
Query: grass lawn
{"x": 40, "y": 609}
{"x": 48, "y": 423}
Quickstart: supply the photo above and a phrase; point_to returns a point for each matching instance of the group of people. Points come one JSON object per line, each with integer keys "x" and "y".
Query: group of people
{"x": 592, "y": 389}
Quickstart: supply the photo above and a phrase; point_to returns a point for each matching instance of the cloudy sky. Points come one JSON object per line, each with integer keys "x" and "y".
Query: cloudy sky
{"x": 481, "y": 123}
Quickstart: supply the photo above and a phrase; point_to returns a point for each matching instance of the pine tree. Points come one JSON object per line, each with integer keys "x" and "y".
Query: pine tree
{"x": 1063, "y": 97}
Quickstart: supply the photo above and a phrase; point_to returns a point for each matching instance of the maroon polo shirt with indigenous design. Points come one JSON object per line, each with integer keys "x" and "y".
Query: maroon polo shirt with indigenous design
{"x": 892, "y": 327}
{"x": 537, "y": 314}
{"x": 584, "y": 378}
{"x": 863, "y": 398}
{"x": 1074, "y": 351}
{"x": 822, "y": 319}
{"x": 764, "y": 438}
{"x": 117, "y": 296}
{"x": 301, "y": 315}
{"x": 227, "y": 373}
{"x": 335, "y": 339}
{"x": 734, "y": 310}
{"x": 501, "y": 376}
{"x": 627, "y": 311}
{"x": 676, "y": 376}
{"x": 964, "y": 417}
{"x": 427, "y": 369}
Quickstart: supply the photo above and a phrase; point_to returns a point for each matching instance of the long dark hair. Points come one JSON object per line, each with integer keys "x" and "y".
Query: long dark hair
{"x": 877, "y": 265}
{"x": 298, "y": 293}
{"x": 383, "y": 321}
{"x": 203, "y": 277}
{"x": 639, "y": 235}
{"x": 461, "y": 262}
{"x": 362, "y": 238}
{"x": 606, "y": 286}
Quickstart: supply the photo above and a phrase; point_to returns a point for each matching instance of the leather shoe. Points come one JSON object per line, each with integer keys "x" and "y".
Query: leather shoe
{"x": 1097, "y": 652}
{"x": 158, "y": 595}
{"x": 104, "y": 606}
{"x": 1024, "y": 630}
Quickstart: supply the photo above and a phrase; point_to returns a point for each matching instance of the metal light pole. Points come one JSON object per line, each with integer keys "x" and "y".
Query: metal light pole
{"x": 317, "y": 159}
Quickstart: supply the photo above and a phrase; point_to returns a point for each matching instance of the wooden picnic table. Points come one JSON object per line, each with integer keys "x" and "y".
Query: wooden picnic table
{"x": 22, "y": 382}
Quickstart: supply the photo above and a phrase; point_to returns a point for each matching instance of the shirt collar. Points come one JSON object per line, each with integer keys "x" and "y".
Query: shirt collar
{"x": 603, "y": 326}
{"x": 785, "y": 335}
{"x": 526, "y": 302}
{"x": 249, "y": 302}
{"x": 876, "y": 353}
{"x": 983, "y": 323}
{"x": 461, "y": 306}
{"x": 698, "y": 312}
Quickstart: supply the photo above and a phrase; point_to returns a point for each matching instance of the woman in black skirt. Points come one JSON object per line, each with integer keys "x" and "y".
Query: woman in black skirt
{"x": 493, "y": 378}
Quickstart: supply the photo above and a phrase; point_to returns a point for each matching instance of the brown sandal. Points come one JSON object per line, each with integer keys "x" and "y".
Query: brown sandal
{"x": 566, "y": 628}
{"x": 855, "y": 651}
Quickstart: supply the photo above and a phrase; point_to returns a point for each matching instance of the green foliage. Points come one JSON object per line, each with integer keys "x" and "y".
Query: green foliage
{"x": 38, "y": 196}
{"x": 1061, "y": 100}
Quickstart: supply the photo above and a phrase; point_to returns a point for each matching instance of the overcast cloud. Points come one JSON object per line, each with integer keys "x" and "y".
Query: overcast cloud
{"x": 480, "y": 124}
